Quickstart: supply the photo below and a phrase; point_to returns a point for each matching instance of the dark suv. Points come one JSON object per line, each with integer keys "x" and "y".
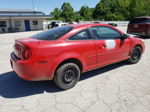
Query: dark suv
{"x": 139, "y": 26}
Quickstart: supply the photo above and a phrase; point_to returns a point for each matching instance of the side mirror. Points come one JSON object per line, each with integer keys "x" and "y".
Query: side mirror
{"x": 124, "y": 36}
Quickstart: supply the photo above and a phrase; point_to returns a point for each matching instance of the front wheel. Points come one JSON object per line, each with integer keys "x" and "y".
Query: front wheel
{"x": 135, "y": 55}
{"x": 67, "y": 76}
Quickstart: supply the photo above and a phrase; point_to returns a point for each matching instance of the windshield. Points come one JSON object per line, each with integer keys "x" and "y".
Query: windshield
{"x": 53, "y": 34}
{"x": 140, "y": 21}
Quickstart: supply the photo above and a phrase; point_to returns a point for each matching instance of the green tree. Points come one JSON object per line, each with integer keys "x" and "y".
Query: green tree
{"x": 139, "y": 8}
{"x": 104, "y": 10}
{"x": 77, "y": 17}
{"x": 121, "y": 9}
{"x": 85, "y": 13}
{"x": 100, "y": 11}
{"x": 67, "y": 12}
{"x": 56, "y": 13}
{"x": 147, "y": 7}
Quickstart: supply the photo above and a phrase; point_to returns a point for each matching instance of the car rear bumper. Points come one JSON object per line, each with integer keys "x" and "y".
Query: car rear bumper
{"x": 138, "y": 33}
{"x": 29, "y": 70}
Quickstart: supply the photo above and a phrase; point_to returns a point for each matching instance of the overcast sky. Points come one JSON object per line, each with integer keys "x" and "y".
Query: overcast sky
{"x": 45, "y": 5}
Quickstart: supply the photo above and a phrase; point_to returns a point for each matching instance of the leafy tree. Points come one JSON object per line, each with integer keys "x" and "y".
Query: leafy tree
{"x": 56, "y": 13}
{"x": 77, "y": 17}
{"x": 121, "y": 9}
{"x": 67, "y": 12}
{"x": 147, "y": 7}
{"x": 85, "y": 13}
{"x": 100, "y": 10}
{"x": 139, "y": 8}
{"x": 104, "y": 10}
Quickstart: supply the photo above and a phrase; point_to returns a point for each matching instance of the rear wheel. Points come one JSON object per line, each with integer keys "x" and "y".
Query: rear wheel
{"x": 135, "y": 55}
{"x": 67, "y": 76}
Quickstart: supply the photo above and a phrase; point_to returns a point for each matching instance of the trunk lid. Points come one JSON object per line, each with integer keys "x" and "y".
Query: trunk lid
{"x": 31, "y": 45}
{"x": 22, "y": 45}
{"x": 138, "y": 27}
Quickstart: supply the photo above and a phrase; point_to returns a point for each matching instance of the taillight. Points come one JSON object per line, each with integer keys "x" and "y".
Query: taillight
{"x": 22, "y": 51}
{"x": 26, "y": 53}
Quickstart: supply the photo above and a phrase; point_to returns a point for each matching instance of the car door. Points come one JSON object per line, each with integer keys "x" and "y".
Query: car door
{"x": 109, "y": 45}
{"x": 83, "y": 44}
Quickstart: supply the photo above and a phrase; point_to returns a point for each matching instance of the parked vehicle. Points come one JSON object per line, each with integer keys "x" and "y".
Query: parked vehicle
{"x": 113, "y": 24}
{"x": 139, "y": 26}
{"x": 73, "y": 23}
{"x": 56, "y": 24}
{"x": 63, "y": 53}
{"x": 60, "y": 24}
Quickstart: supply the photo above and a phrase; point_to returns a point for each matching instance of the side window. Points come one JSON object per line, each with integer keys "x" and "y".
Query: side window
{"x": 106, "y": 33}
{"x": 17, "y": 23}
{"x": 83, "y": 35}
{"x": 3, "y": 24}
{"x": 96, "y": 32}
{"x": 35, "y": 22}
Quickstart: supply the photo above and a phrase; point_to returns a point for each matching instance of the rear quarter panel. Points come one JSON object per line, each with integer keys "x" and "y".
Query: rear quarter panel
{"x": 59, "y": 52}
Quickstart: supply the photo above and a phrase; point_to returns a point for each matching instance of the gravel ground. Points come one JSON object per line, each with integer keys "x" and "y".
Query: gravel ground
{"x": 115, "y": 88}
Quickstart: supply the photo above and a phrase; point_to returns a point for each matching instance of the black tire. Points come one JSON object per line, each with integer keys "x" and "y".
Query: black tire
{"x": 135, "y": 55}
{"x": 67, "y": 76}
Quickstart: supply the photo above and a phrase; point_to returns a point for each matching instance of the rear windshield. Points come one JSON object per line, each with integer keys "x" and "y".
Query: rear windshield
{"x": 53, "y": 34}
{"x": 140, "y": 21}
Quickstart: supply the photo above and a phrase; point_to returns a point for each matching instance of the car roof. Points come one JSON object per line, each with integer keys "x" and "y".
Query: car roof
{"x": 88, "y": 25}
{"x": 84, "y": 26}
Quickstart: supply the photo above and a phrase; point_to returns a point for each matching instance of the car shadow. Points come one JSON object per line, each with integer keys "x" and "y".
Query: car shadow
{"x": 100, "y": 71}
{"x": 11, "y": 86}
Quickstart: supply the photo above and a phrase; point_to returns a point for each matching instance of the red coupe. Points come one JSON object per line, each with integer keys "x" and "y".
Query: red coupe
{"x": 63, "y": 53}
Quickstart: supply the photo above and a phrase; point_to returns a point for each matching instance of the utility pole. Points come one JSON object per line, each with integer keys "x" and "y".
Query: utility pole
{"x": 33, "y": 3}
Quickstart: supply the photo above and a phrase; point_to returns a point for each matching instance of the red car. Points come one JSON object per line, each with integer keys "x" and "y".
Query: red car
{"x": 63, "y": 53}
{"x": 139, "y": 26}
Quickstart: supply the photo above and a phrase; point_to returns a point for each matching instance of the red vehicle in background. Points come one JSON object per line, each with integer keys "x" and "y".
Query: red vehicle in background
{"x": 63, "y": 53}
{"x": 139, "y": 26}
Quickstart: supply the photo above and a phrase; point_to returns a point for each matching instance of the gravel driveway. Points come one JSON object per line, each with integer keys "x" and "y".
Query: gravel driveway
{"x": 115, "y": 88}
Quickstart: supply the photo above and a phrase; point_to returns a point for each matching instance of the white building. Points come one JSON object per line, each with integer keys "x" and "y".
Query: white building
{"x": 21, "y": 20}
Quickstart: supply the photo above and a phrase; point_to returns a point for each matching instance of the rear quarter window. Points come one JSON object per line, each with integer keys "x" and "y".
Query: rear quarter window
{"x": 82, "y": 35}
{"x": 53, "y": 34}
{"x": 140, "y": 21}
